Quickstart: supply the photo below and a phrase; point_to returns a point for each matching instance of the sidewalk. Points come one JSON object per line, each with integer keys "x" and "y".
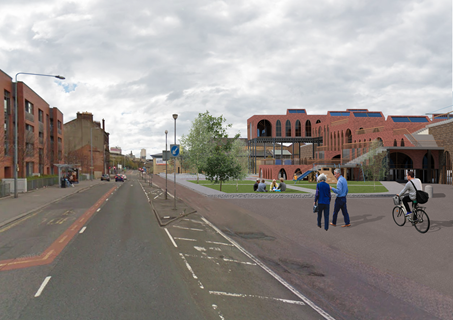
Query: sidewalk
{"x": 15, "y": 208}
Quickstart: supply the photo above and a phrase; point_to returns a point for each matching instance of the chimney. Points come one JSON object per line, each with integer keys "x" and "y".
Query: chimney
{"x": 103, "y": 124}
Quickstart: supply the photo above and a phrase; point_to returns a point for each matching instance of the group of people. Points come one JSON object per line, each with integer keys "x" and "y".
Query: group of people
{"x": 262, "y": 187}
{"x": 323, "y": 197}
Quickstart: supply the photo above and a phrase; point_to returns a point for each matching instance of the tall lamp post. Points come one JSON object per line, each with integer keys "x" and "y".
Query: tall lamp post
{"x": 91, "y": 152}
{"x": 166, "y": 132}
{"x": 175, "y": 116}
{"x": 15, "y": 165}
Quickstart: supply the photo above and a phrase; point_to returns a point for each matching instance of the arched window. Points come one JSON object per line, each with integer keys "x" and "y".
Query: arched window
{"x": 278, "y": 129}
{"x": 288, "y": 128}
{"x": 298, "y": 129}
{"x": 264, "y": 129}
{"x": 318, "y": 121}
{"x": 402, "y": 143}
{"x": 348, "y": 136}
{"x": 308, "y": 128}
{"x": 400, "y": 160}
{"x": 425, "y": 162}
{"x": 395, "y": 144}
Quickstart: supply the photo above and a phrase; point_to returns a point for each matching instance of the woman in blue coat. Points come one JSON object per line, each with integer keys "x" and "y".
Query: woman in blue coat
{"x": 323, "y": 198}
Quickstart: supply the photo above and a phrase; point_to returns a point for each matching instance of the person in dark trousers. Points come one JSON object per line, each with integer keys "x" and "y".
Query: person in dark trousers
{"x": 340, "y": 201}
{"x": 255, "y": 186}
{"x": 323, "y": 198}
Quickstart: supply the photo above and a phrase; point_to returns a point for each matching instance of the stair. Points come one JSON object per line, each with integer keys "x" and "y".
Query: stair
{"x": 365, "y": 156}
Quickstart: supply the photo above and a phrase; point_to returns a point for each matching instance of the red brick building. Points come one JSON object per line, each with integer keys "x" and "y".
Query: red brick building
{"x": 40, "y": 132}
{"x": 340, "y": 138}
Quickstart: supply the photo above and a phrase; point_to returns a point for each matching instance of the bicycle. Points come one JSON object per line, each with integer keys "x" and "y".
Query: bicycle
{"x": 418, "y": 218}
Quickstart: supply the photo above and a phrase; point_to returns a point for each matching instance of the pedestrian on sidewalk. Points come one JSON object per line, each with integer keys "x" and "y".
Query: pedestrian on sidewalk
{"x": 323, "y": 198}
{"x": 340, "y": 201}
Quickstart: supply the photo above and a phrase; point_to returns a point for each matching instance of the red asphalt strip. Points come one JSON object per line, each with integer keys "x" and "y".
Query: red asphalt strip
{"x": 58, "y": 245}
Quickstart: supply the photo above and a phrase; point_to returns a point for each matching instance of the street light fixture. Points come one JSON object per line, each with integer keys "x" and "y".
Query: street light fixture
{"x": 175, "y": 116}
{"x": 166, "y": 132}
{"x": 15, "y": 164}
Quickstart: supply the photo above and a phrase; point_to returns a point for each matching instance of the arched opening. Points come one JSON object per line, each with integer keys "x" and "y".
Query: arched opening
{"x": 298, "y": 129}
{"x": 348, "y": 136}
{"x": 318, "y": 121}
{"x": 288, "y": 128}
{"x": 282, "y": 174}
{"x": 278, "y": 129}
{"x": 399, "y": 163}
{"x": 298, "y": 171}
{"x": 402, "y": 142}
{"x": 264, "y": 129}
{"x": 334, "y": 141}
{"x": 308, "y": 128}
{"x": 395, "y": 144}
{"x": 425, "y": 162}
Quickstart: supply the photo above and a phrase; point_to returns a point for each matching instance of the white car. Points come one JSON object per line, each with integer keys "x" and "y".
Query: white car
{"x": 124, "y": 177}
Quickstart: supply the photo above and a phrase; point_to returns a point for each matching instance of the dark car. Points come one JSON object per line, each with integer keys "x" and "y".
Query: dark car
{"x": 118, "y": 177}
{"x": 105, "y": 177}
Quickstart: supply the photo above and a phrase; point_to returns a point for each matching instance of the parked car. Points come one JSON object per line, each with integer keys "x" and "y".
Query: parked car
{"x": 124, "y": 177}
{"x": 105, "y": 177}
{"x": 119, "y": 177}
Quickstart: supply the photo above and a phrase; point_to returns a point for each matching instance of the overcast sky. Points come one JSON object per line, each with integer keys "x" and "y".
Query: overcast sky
{"x": 134, "y": 63}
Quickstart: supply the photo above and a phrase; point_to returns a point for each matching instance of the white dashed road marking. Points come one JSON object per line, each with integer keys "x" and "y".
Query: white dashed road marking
{"x": 241, "y": 295}
{"x": 171, "y": 238}
{"x": 43, "y": 285}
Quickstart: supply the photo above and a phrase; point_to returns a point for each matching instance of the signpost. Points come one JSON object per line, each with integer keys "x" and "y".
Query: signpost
{"x": 174, "y": 149}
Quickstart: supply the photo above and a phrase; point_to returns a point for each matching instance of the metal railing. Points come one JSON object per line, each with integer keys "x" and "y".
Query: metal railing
{"x": 5, "y": 190}
{"x": 40, "y": 183}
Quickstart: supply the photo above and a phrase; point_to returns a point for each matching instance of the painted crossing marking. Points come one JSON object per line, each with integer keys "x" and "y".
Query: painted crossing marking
{"x": 220, "y": 243}
{"x": 191, "y": 270}
{"x": 223, "y": 259}
{"x": 184, "y": 239}
{"x": 193, "y": 229}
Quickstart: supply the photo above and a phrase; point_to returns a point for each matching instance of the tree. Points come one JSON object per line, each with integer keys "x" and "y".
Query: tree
{"x": 377, "y": 166}
{"x": 240, "y": 153}
{"x": 221, "y": 166}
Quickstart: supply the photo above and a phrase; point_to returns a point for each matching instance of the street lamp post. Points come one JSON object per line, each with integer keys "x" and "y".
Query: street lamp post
{"x": 91, "y": 152}
{"x": 166, "y": 132}
{"x": 15, "y": 164}
{"x": 175, "y": 116}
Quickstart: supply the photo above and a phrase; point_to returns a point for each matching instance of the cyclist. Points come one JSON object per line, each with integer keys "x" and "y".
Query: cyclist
{"x": 409, "y": 187}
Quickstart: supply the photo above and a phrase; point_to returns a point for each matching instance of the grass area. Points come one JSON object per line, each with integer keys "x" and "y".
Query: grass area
{"x": 354, "y": 188}
{"x": 245, "y": 186}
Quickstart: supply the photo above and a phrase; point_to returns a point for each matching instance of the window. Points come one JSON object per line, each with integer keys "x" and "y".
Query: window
{"x": 402, "y": 143}
{"x": 29, "y": 128}
{"x": 308, "y": 128}
{"x": 278, "y": 129}
{"x": 296, "y": 110}
{"x": 41, "y": 137}
{"x": 298, "y": 129}
{"x": 409, "y": 119}
{"x": 28, "y": 107}
{"x": 6, "y": 102}
{"x": 288, "y": 128}
{"x": 59, "y": 125}
{"x": 41, "y": 115}
{"x": 340, "y": 114}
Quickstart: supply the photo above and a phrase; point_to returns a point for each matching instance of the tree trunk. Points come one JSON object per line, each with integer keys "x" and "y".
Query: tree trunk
{"x": 220, "y": 186}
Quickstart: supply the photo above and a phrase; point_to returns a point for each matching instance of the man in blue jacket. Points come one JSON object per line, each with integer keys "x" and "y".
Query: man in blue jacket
{"x": 340, "y": 201}
{"x": 323, "y": 197}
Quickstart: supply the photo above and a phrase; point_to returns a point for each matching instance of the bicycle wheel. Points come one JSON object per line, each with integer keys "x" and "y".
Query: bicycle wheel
{"x": 398, "y": 216}
{"x": 422, "y": 223}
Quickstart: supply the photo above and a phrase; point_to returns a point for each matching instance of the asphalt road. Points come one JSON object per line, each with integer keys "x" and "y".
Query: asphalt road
{"x": 372, "y": 270}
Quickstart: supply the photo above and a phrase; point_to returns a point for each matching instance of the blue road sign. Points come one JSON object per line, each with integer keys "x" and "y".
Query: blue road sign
{"x": 174, "y": 149}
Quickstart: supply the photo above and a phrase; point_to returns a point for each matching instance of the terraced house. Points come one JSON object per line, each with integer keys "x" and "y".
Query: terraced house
{"x": 343, "y": 139}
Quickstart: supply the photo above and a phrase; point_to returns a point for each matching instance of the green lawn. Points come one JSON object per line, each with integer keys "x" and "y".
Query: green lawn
{"x": 355, "y": 187}
{"x": 245, "y": 186}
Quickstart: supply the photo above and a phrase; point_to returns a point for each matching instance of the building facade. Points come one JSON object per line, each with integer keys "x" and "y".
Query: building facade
{"x": 87, "y": 145}
{"x": 342, "y": 138}
{"x": 40, "y": 132}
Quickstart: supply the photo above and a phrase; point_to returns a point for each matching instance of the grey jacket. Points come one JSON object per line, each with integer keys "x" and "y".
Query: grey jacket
{"x": 409, "y": 187}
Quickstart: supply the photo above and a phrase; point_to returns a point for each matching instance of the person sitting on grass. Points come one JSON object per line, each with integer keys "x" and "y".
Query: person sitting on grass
{"x": 255, "y": 186}
{"x": 282, "y": 185}
{"x": 262, "y": 187}
{"x": 274, "y": 185}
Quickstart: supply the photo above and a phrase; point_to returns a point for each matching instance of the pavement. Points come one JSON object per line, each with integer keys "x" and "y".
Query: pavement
{"x": 12, "y": 209}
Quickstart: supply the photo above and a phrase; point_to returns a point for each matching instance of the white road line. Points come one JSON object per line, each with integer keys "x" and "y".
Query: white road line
{"x": 194, "y": 221}
{"x": 214, "y": 306}
{"x": 204, "y": 256}
{"x": 98, "y": 210}
{"x": 191, "y": 270}
{"x": 43, "y": 285}
{"x": 273, "y": 274}
{"x": 184, "y": 239}
{"x": 241, "y": 295}
{"x": 221, "y": 243}
{"x": 171, "y": 238}
{"x": 82, "y": 230}
{"x": 193, "y": 229}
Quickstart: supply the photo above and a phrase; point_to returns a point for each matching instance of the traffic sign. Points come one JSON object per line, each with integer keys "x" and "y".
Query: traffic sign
{"x": 165, "y": 155}
{"x": 174, "y": 149}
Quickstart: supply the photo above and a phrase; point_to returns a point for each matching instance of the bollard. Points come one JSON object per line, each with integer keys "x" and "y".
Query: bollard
{"x": 429, "y": 191}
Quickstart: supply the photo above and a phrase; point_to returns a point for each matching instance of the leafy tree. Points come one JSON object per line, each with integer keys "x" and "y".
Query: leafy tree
{"x": 240, "y": 153}
{"x": 376, "y": 167}
{"x": 221, "y": 166}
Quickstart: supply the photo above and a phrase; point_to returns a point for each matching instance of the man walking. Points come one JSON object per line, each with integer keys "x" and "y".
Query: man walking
{"x": 340, "y": 201}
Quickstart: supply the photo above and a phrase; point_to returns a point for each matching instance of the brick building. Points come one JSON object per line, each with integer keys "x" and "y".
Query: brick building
{"x": 87, "y": 145}
{"x": 40, "y": 132}
{"x": 342, "y": 138}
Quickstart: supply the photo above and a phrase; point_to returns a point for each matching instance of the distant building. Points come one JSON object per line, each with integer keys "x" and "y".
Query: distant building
{"x": 40, "y": 132}
{"x": 115, "y": 150}
{"x": 143, "y": 154}
{"x": 87, "y": 144}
